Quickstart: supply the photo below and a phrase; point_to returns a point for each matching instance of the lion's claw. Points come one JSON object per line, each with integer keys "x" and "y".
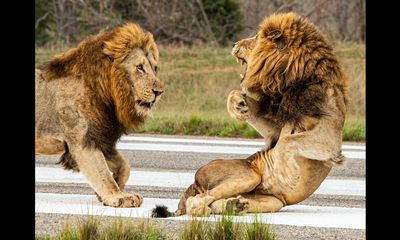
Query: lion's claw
{"x": 237, "y": 205}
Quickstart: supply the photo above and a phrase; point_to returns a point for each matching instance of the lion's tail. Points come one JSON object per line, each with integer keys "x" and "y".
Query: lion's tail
{"x": 161, "y": 211}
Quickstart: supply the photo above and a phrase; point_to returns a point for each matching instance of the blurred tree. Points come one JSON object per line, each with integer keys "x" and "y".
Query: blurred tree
{"x": 224, "y": 17}
{"x": 340, "y": 20}
{"x": 191, "y": 21}
{"x": 43, "y": 20}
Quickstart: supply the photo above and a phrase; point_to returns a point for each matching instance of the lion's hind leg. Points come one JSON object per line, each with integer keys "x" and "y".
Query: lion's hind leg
{"x": 48, "y": 145}
{"x": 222, "y": 179}
{"x": 247, "y": 203}
{"x": 260, "y": 203}
{"x": 233, "y": 205}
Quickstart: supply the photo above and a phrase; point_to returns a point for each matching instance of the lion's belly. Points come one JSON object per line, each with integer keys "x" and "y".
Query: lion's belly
{"x": 312, "y": 173}
{"x": 49, "y": 96}
{"x": 46, "y": 118}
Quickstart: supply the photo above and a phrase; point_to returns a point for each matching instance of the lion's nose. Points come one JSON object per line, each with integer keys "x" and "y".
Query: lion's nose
{"x": 157, "y": 93}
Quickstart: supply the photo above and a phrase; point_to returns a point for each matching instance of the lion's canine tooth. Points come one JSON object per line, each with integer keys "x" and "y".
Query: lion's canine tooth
{"x": 237, "y": 60}
{"x": 241, "y": 75}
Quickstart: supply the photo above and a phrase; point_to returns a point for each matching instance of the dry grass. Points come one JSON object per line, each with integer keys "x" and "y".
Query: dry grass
{"x": 225, "y": 228}
{"x": 90, "y": 228}
{"x": 199, "y": 79}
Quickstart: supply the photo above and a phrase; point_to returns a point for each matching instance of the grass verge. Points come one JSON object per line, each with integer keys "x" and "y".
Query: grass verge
{"x": 227, "y": 229}
{"x": 198, "y": 80}
{"x": 120, "y": 229}
{"x": 224, "y": 228}
{"x": 354, "y": 130}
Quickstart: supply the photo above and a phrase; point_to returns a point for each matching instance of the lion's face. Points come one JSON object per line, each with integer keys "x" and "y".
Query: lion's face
{"x": 241, "y": 51}
{"x": 286, "y": 49}
{"x": 141, "y": 72}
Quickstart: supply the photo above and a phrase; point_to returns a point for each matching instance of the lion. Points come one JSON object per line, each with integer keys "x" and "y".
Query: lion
{"x": 294, "y": 94}
{"x": 90, "y": 95}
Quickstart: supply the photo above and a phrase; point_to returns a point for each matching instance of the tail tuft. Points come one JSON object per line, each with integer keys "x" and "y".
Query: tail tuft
{"x": 161, "y": 211}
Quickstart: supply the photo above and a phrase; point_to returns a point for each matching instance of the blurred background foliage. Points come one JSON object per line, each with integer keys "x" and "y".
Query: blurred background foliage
{"x": 188, "y": 22}
{"x": 195, "y": 39}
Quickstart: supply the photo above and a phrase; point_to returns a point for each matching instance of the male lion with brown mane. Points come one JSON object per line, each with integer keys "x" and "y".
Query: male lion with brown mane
{"x": 294, "y": 94}
{"x": 87, "y": 97}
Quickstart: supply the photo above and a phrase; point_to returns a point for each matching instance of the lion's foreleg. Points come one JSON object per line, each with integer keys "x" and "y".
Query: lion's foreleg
{"x": 120, "y": 169}
{"x": 92, "y": 164}
{"x": 266, "y": 129}
{"x": 91, "y": 161}
{"x": 244, "y": 108}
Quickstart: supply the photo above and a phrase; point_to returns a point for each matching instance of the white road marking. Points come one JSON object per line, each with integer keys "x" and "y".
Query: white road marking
{"x": 189, "y": 140}
{"x": 183, "y": 180}
{"x": 297, "y": 215}
{"x": 207, "y": 149}
{"x": 207, "y": 141}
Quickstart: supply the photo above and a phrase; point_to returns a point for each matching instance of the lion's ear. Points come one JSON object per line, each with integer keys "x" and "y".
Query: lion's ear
{"x": 273, "y": 34}
{"x": 107, "y": 51}
{"x": 277, "y": 37}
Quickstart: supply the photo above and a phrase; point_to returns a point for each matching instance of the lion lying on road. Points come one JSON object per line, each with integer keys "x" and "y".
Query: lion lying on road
{"x": 294, "y": 95}
{"x": 87, "y": 97}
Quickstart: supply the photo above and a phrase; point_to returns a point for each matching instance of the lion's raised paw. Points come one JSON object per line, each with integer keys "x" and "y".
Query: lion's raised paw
{"x": 237, "y": 106}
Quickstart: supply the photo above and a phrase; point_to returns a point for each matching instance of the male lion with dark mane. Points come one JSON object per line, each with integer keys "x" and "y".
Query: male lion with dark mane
{"x": 87, "y": 97}
{"x": 294, "y": 94}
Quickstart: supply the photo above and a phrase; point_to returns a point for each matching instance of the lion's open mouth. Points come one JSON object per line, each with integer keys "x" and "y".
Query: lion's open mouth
{"x": 146, "y": 104}
{"x": 243, "y": 64}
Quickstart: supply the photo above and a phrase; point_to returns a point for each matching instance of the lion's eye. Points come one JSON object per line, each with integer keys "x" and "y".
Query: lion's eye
{"x": 140, "y": 68}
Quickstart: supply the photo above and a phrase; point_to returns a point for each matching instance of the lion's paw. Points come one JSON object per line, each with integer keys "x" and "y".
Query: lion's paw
{"x": 237, "y": 206}
{"x": 199, "y": 205}
{"x": 237, "y": 106}
{"x": 122, "y": 200}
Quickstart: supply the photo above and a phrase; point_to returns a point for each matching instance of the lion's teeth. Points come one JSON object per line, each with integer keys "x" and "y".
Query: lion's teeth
{"x": 237, "y": 60}
{"x": 241, "y": 75}
{"x": 241, "y": 62}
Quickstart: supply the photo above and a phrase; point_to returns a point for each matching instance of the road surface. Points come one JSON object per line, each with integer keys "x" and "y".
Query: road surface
{"x": 163, "y": 167}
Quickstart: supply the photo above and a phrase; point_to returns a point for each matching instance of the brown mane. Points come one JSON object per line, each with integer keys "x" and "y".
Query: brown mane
{"x": 289, "y": 49}
{"x": 87, "y": 97}
{"x": 96, "y": 61}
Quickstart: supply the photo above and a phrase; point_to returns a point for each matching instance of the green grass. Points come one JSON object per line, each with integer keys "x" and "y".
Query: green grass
{"x": 224, "y": 228}
{"x": 354, "y": 130}
{"x": 198, "y": 125}
{"x": 90, "y": 228}
{"x": 198, "y": 80}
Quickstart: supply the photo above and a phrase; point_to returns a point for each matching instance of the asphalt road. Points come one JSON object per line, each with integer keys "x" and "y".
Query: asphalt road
{"x": 162, "y": 167}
